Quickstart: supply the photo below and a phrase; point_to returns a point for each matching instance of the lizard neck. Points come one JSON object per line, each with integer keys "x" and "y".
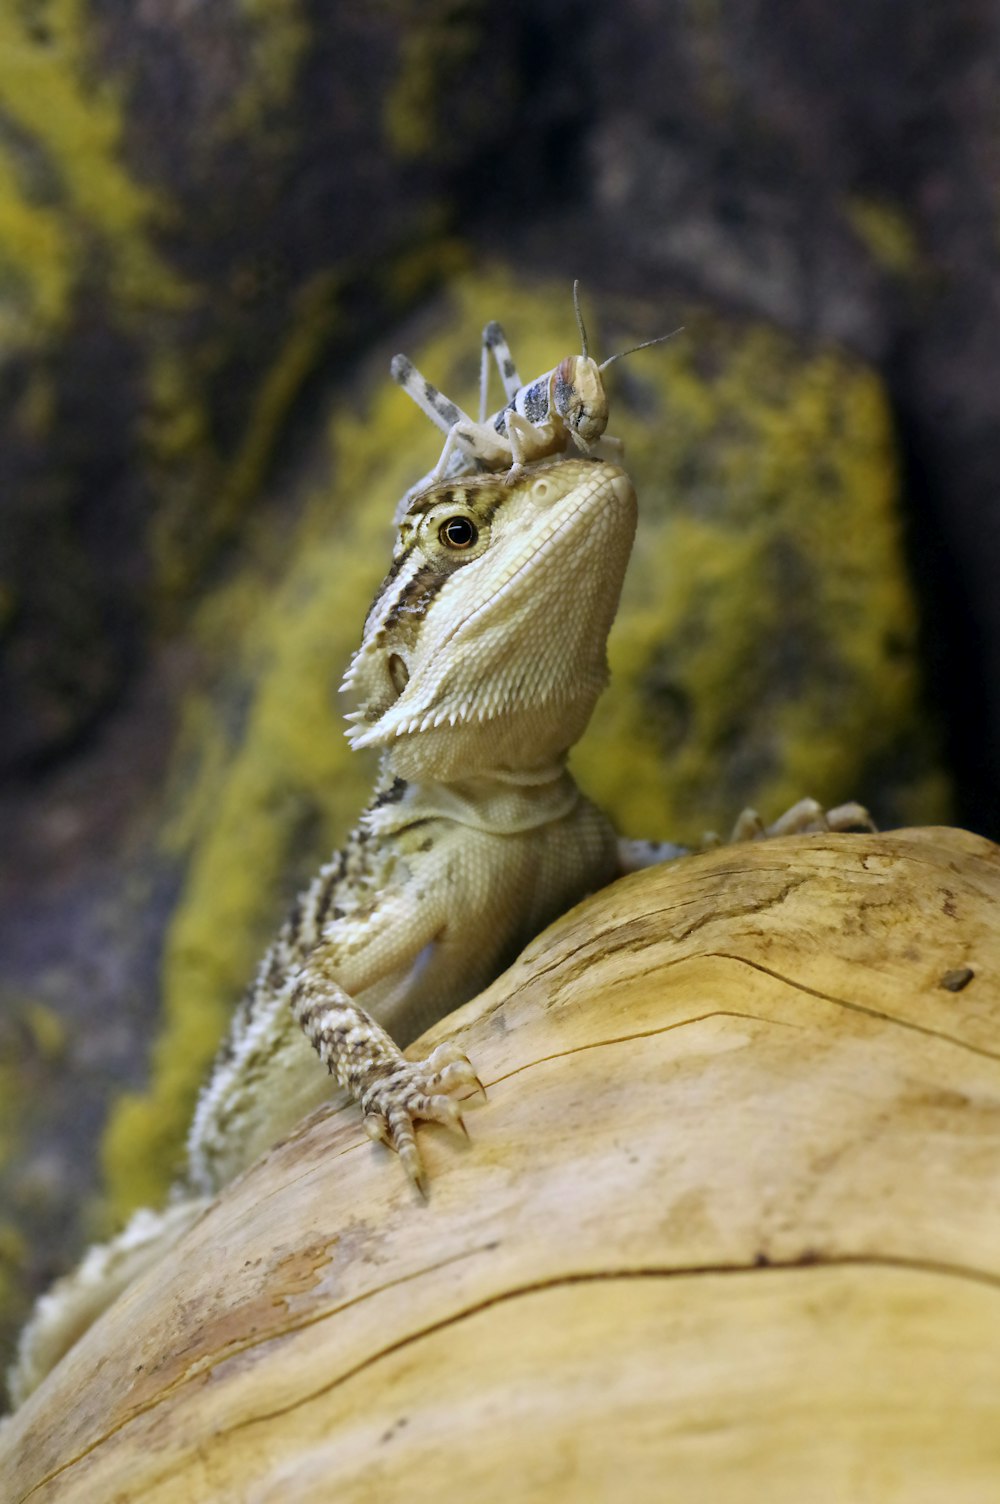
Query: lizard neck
{"x": 501, "y": 803}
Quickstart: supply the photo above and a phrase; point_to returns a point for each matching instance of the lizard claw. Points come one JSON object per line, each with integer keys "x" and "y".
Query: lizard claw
{"x": 850, "y": 817}
{"x": 419, "y": 1090}
{"x": 805, "y": 817}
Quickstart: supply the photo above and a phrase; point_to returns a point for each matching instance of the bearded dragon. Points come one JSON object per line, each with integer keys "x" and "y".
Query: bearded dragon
{"x": 480, "y": 663}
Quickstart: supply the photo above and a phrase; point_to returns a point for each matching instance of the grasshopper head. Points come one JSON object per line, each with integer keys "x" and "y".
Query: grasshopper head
{"x": 579, "y": 397}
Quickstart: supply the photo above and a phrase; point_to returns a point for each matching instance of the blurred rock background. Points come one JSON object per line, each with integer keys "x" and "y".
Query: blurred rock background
{"x": 217, "y": 223}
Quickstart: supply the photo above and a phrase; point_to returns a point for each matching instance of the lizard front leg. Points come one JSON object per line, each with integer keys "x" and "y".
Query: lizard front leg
{"x": 394, "y": 1093}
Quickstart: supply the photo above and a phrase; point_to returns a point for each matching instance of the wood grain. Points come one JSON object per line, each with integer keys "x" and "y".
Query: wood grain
{"x": 728, "y": 1229}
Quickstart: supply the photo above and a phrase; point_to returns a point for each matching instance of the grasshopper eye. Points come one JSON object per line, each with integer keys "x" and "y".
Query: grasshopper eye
{"x": 458, "y": 532}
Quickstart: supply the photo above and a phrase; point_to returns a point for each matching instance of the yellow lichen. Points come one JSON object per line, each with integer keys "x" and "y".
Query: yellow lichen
{"x": 34, "y": 411}
{"x": 210, "y": 494}
{"x": 47, "y": 1030}
{"x": 886, "y": 234}
{"x": 436, "y": 43}
{"x": 13, "y": 1263}
{"x": 312, "y": 320}
{"x": 710, "y": 46}
{"x": 72, "y": 120}
{"x": 36, "y": 271}
{"x": 15, "y": 1103}
{"x": 277, "y": 40}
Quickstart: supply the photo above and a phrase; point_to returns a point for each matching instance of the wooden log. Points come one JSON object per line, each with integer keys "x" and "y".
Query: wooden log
{"x": 727, "y": 1229}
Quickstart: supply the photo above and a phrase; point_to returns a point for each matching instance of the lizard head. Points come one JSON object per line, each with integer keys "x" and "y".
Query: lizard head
{"x": 484, "y": 650}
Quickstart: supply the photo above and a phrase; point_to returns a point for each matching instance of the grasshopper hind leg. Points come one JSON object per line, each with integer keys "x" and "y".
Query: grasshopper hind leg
{"x": 443, "y": 413}
{"x": 495, "y": 344}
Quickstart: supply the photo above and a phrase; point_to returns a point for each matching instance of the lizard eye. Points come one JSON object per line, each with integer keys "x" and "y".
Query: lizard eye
{"x": 458, "y": 532}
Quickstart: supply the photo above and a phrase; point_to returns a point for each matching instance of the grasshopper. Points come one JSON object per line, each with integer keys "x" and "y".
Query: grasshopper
{"x": 565, "y": 408}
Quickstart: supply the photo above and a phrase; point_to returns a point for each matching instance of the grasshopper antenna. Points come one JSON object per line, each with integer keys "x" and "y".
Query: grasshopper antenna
{"x": 579, "y": 318}
{"x": 644, "y": 346}
{"x": 621, "y": 353}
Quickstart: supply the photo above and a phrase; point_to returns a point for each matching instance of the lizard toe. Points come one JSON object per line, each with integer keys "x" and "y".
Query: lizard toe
{"x": 419, "y": 1091}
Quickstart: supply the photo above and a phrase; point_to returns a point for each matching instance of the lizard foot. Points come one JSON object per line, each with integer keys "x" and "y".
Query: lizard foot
{"x": 802, "y": 818}
{"x": 418, "y": 1090}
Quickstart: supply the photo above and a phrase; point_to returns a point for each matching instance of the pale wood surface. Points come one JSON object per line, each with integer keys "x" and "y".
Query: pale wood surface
{"x": 728, "y": 1230}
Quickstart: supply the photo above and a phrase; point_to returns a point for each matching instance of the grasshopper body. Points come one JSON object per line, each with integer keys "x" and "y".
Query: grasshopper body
{"x": 565, "y": 409}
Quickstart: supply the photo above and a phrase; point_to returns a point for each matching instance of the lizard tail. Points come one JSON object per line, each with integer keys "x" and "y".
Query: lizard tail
{"x": 66, "y": 1311}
